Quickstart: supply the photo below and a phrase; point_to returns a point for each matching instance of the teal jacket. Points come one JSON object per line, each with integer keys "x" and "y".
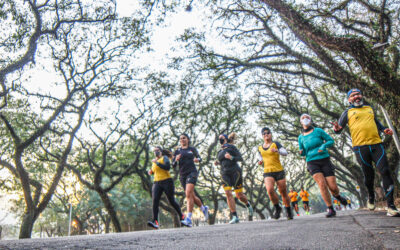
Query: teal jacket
{"x": 311, "y": 143}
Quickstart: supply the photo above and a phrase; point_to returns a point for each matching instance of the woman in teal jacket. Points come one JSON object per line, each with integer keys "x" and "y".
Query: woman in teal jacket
{"x": 313, "y": 144}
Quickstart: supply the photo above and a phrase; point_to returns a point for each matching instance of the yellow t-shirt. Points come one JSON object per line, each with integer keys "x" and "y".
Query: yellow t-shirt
{"x": 159, "y": 173}
{"x": 293, "y": 196}
{"x": 362, "y": 125}
{"x": 271, "y": 159}
{"x": 304, "y": 195}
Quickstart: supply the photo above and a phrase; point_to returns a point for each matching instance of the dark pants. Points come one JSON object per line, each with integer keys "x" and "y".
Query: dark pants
{"x": 375, "y": 153}
{"x": 166, "y": 186}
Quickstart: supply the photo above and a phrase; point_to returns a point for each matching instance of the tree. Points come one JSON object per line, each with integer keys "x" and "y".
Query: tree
{"x": 28, "y": 22}
{"x": 284, "y": 72}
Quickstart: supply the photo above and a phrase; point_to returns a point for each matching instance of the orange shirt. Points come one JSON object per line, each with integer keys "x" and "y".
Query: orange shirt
{"x": 304, "y": 195}
{"x": 293, "y": 196}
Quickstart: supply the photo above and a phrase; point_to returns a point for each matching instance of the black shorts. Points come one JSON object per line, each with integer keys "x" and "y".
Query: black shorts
{"x": 305, "y": 202}
{"x": 276, "y": 175}
{"x": 188, "y": 178}
{"x": 323, "y": 166}
{"x": 294, "y": 203}
{"x": 232, "y": 180}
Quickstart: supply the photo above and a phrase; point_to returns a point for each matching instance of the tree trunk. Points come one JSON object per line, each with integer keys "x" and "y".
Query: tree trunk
{"x": 28, "y": 220}
{"x": 110, "y": 210}
{"x": 213, "y": 216}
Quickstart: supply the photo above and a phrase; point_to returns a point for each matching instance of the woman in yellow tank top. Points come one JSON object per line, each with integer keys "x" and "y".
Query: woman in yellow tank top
{"x": 269, "y": 154}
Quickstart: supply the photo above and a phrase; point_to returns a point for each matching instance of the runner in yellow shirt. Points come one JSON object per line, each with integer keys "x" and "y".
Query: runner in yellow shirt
{"x": 293, "y": 198}
{"x": 304, "y": 197}
{"x": 274, "y": 173}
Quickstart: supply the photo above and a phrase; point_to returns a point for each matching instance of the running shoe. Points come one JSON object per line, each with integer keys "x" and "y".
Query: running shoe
{"x": 187, "y": 222}
{"x": 153, "y": 224}
{"x": 277, "y": 213}
{"x": 371, "y": 205}
{"x": 205, "y": 212}
{"x": 331, "y": 213}
{"x": 289, "y": 213}
{"x": 393, "y": 212}
{"x": 250, "y": 209}
{"x": 234, "y": 220}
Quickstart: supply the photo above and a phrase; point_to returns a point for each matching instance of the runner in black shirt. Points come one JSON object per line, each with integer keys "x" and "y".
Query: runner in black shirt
{"x": 185, "y": 157}
{"x": 228, "y": 157}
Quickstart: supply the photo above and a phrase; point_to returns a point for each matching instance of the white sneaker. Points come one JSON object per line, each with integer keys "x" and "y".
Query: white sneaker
{"x": 234, "y": 220}
{"x": 393, "y": 212}
{"x": 187, "y": 222}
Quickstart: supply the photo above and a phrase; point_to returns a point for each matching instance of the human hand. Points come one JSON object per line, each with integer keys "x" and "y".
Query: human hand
{"x": 336, "y": 126}
{"x": 274, "y": 150}
{"x": 228, "y": 156}
{"x": 150, "y": 172}
{"x": 196, "y": 160}
{"x": 388, "y": 131}
{"x": 178, "y": 157}
{"x": 260, "y": 162}
{"x": 154, "y": 160}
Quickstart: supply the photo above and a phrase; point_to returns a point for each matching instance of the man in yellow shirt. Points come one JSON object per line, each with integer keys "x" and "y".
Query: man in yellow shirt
{"x": 367, "y": 145}
{"x": 304, "y": 197}
{"x": 293, "y": 199}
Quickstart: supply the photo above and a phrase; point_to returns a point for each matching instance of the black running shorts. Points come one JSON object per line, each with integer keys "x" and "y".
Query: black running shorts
{"x": 188, "y": 178}
{"x": 323, "y": 166}
{"x": 276, "y": 175}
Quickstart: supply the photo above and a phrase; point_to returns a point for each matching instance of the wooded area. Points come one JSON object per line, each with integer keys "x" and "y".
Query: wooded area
{"x": 81, "y": 110}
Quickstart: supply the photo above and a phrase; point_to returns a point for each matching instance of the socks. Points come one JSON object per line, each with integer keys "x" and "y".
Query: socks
{"x": 234, "y": 214}
{"x": 189, "y": 215}
{"x": 202, "y": 208}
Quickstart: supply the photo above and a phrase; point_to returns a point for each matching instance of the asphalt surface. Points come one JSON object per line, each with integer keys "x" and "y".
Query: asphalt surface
{"x": 349, "y": 230}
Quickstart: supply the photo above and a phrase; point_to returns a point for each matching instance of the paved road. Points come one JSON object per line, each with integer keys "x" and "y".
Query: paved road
{"x": 349, "y": 230}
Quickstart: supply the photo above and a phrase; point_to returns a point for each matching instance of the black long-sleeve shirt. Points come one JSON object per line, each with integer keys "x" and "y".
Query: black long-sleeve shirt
{"x": 186, "y": 162}
{"x": 226, "y": 164}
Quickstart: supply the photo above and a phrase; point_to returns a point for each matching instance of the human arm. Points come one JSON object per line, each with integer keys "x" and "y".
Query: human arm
{"x": 197, "y": 158}
{"x": 166, "y": 165}
{"x": 328, "y": 141}
{"x": 235, "y": 154}
{"x": 301, "y": 146}
{"x": 281, "y": 150}
{"x": 382, "y": 128}
{"x": 259, "y": 156}
{"x": 341, "y": 123}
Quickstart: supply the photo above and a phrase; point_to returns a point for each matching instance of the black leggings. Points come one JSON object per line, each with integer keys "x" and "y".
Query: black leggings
{"x": 375, "y": 153}
{"x": 166, "y": 186}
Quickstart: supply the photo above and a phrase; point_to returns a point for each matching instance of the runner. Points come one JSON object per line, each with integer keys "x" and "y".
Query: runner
{"x": 228, "y": 157}
{"x": 269, "y": 154}
{"x": 186, "y": 157}
{"x": 313, "y": 144}
{"x": 304, "y": 198}
{"x": 162, "y": 184}
{"x": 367, "y": 145}
{"x": 293, "y": 198}
{"x": 349, "y": 203}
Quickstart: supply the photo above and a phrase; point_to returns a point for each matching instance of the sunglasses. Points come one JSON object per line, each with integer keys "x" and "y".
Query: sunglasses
{"x": 266, "y": 133}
